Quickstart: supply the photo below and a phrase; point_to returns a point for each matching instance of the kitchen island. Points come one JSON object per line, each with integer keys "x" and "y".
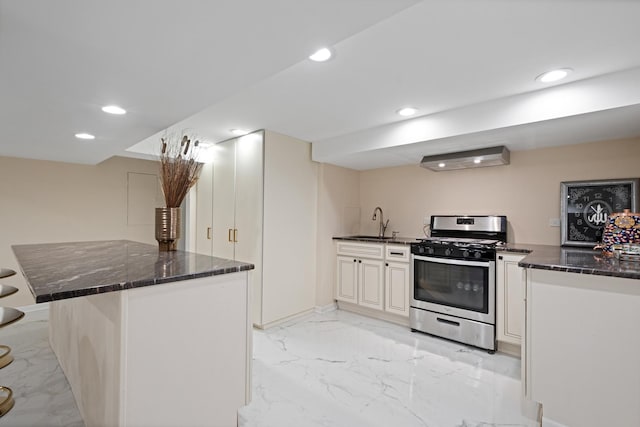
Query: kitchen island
{"x": 581, "y": 340}
{"x": 145, "y": 337}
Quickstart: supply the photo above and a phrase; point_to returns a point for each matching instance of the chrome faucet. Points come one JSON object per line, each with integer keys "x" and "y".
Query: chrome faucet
{"x": 383, "y": 225}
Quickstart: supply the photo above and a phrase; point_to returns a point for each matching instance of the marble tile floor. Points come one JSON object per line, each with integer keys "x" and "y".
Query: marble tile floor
{"x": 41, "y": 392}
{"x": 331, "y": 369}
{"x": 342, "y": 369}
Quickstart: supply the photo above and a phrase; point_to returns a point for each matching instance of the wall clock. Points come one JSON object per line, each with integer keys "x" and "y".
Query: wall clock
{"x": 586, "y": 206}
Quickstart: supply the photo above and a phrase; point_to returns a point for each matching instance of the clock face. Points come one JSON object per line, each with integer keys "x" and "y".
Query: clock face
{"x": 589, "y": 207}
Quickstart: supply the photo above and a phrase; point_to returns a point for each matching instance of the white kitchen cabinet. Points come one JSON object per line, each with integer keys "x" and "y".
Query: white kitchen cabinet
{"x": 397, "y": 288}
{"x": 263, "y": 211}
{"x": 204, "y": 204}
{"x": 229, "y": 200}
{"x": 397, "y": 280}
{"x": 374, "y": 276}
{"x": 347, "y": 279}
{"x": 510, "y": 287}
{"x": 360, "y": 274}
{"x": 370, "y": 283}
{"x": 224, "y": 197}
{"x": 360, "y": 281}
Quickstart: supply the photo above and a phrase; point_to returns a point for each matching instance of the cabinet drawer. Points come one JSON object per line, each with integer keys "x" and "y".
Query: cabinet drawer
{"x": 398, "y": 253}
{"x": 365, "y": 250}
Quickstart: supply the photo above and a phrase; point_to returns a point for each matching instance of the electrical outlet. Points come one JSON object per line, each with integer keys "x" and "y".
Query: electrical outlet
{"x": 426, "y": 220}
{"x": 554, "y": 222}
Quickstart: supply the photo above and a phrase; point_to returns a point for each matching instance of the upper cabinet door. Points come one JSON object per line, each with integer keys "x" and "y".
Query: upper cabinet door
{"x": 224, "y": 200}
{"x": 248, "y": 197}
{"x": 204, "y": 211}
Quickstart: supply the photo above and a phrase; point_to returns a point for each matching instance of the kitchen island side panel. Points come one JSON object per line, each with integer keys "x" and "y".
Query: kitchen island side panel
{"x": 86, "y": 335}
{"x": 185, "y": 349}
{"x": 583, "y": 346}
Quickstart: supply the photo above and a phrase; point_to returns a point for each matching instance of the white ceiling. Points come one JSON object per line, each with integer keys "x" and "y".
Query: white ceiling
{"x": 209, "y": 66}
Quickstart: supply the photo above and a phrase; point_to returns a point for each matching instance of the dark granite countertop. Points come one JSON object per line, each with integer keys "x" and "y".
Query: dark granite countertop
{"x": 524, "y": 248}
{"x": 545, "y": 257}
{"x": 56, "y": 271}
{"x": 573, "y": 260}
{"x": 374, "y": 239}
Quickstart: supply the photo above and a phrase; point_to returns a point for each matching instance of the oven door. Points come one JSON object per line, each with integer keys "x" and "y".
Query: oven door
{"x": 456, "y": 287}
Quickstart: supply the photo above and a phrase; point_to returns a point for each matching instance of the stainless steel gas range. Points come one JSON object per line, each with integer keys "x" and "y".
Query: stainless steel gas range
{"x": 454, "y": 279}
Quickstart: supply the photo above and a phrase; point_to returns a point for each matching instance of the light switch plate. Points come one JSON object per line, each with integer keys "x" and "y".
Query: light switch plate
{"x": 426, "y": 220}
{"x": 554, "y": 222}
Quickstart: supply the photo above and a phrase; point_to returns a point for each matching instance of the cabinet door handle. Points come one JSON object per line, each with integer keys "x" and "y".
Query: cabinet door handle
{"x": 359, "y": 261}
{"x": 386, "y": 264}
{"x": 500, "y": 257}
{"x": 209, "y": 233}
{"x": 354, "y": 260}
{"x": 229, "y": 236}
{"x": 396, "y": 253}
{"x": 235, "y": 235}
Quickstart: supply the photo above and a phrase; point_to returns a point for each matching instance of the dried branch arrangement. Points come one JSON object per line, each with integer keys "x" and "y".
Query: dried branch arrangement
{"x": 179, "y": 168}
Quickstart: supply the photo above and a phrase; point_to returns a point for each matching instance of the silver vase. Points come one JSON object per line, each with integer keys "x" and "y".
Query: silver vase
{"x": 168, "y": 228}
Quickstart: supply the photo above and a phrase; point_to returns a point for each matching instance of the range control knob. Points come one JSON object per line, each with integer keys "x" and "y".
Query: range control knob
{"x": 430, "y": 251}
{"x": 465, "y": 253}
{"x": 447, "y": 252}
{"x": 421, "y": 249}
{"x": 478, "y": 254}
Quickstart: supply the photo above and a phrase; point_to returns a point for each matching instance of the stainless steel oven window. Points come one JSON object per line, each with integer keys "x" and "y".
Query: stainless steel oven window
{"x": 454, "y": 283}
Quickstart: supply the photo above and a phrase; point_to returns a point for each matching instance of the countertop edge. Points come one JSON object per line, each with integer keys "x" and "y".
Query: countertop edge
{"x": 385, "y": 241}
{"x": 58, "y": 296}
{"x": 41, "y": 294}
{"x": 541, "y": 257}
{"x": 549, "y": 257}
{"x": 580, "y": 270}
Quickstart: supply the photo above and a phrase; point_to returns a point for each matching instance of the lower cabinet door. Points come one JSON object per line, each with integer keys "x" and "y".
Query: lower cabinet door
{"x": 370, "y": 281}
{"x": 510, "y": 298}
{"x": 397, "y": 288}
{"x": 346, "y": 281}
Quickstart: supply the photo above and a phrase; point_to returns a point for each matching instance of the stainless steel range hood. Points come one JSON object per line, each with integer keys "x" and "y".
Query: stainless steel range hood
{"x": 483, "y": 157}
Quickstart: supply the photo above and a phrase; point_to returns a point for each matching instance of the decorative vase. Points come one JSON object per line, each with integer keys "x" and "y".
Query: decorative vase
{"x": 168, "y": 228}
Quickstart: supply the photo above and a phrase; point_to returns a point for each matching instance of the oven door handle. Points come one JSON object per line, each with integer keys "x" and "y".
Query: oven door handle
{"x": 453, "y": 261}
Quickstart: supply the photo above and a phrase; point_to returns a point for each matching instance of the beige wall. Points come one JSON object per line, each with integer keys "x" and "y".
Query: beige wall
{"x": 46, "y": 201}
{"x": 527, "y": 191}
{"x": 338, "y": 215}
{"x": 290, "y": 218}
{"x": 51, "y": 201}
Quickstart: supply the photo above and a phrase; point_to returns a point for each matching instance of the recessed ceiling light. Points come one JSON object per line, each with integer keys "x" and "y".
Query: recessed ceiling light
{"x": 477, "y": 161}
{"x": 114, "y": 109}
{"x": 407, "y": 111}
{"x": 83, "y": 135}
{"x": 554, "y": 75}
{"x": 441, "y": 165}
{"x": 321, "y": 55}
{"x": 239, "y": 132}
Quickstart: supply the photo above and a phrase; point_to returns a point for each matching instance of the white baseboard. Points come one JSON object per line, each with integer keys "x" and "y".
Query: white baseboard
{"x": 546, "y": 422}
{"x": 34, "y": 307}
{"x": 326, "y": 308}
{"x": 509, "y": 348}
{"x": 284, "y": 320}
{"x": 376, "y": 314}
